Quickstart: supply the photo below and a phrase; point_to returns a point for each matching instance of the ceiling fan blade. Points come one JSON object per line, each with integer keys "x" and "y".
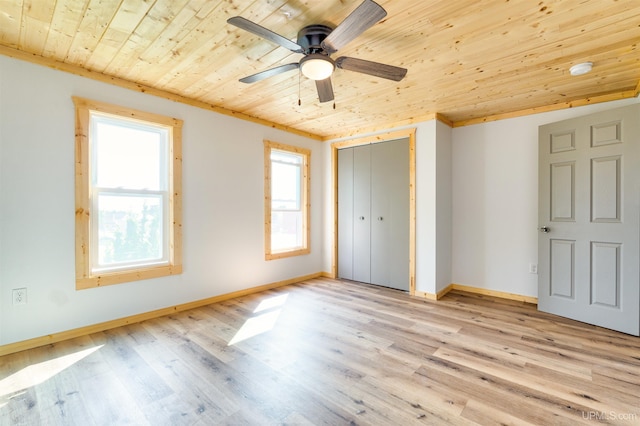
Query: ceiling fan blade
{"x": 325, "y": 90}
{"x": 258, "y": 30}
{"x": 372, "y": 68}
{"x": 362, "y": 18}
{"x": 269, "y": 73}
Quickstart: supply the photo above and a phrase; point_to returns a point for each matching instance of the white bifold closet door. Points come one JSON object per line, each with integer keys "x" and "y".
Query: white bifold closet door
{"x": 373, "y": 213}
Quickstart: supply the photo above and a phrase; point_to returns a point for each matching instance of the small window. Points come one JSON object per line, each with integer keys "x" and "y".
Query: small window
{"x": 128, "y": 166}
{"x": 286, "y": 200}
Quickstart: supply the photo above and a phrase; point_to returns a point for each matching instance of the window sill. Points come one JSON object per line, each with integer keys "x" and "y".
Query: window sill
{"x": 282, "y": 254}
{"x": 127, "y": 276}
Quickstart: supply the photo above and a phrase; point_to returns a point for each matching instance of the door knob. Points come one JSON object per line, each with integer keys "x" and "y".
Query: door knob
{"x": 380, "y": 218}
{"x": 545, "y": 229}
{"x": 361, "y": 218}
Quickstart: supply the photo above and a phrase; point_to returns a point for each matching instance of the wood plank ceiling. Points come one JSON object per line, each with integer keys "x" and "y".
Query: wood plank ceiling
{"x": 467, "y": 60}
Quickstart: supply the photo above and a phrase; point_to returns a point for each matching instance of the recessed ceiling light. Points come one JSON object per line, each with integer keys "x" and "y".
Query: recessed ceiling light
{"x": 579, "y": 69}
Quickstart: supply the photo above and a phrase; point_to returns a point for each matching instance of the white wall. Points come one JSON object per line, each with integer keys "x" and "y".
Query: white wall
{"x": 426, "y": 190}
{"x": 433, "y": 206}
{"x": 223, "y": 220}
{"x": 444, "y": 205}
{"x": 495, "y": 200}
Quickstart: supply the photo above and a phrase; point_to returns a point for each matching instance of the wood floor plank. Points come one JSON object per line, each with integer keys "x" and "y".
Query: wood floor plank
{"x": 125, "y": 362}
{"x": 558, "y": 390}
{"x": 109, "y": 402}
{"x": 198, "y": 399}
{"x": 502, "y": 396}
{"x": 418, "y": 399}
{"x": 330, "y": 352}
{"x": 483, "y": 414}
{"x": 59, "y": 401}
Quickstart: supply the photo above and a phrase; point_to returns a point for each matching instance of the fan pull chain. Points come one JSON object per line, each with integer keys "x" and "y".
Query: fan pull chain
{"x": 334, "y": 101}
{"x": 299, "y": 101}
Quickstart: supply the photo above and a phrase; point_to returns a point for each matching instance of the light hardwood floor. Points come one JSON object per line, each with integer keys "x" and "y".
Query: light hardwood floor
{"x": 333, "y": 353}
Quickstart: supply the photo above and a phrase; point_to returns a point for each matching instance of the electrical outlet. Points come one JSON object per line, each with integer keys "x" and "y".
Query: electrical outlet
{"x": 533, "y": 268}
{"x": 20, "y": 296}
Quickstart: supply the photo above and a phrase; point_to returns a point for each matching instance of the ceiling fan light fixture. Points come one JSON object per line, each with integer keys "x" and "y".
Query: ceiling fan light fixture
{"x": 316, "y": 66}
{"x": 580, "y": 69}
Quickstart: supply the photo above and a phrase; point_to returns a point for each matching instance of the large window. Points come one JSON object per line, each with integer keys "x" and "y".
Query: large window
{"x": 128, "y": 174}
{"x": 286, "y": 200}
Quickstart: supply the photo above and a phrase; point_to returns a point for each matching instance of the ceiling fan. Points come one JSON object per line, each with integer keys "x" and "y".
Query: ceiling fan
{"x": 318, "y": 42}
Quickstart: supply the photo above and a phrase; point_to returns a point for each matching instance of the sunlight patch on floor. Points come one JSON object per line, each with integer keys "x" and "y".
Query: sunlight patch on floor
{"x": 262, "y": 323}
{"x": 272, "y": 302}
{"x": 35, "y": 374}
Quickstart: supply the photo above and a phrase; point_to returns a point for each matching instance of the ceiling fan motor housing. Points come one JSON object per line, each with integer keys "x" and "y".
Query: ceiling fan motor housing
{"x": 311, "y": 36}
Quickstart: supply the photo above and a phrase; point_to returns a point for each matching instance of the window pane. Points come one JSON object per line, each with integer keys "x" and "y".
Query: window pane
{"x": 129, "y": 229}
{"x": 129, "y": 157}
{"x": 286, "y": 157}
{"x": 286, "y": 230}
{"x": 285, "y": 186}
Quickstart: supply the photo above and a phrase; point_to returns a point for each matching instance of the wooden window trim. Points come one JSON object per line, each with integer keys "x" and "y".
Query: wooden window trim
{"x": 84, "y": 277}
{"x": 306, "y": 246}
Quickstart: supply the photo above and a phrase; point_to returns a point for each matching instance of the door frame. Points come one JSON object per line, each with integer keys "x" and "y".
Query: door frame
{"x": 366, "y": 140}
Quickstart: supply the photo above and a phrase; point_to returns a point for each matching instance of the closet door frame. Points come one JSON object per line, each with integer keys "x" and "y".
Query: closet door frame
{"x": 384, "y": 137}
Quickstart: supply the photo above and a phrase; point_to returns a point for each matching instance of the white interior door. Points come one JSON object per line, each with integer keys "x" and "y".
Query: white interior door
{"x": 589, "y": 214}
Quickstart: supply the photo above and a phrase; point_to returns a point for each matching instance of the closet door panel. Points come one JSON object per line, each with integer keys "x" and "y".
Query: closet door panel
{"x": 345, "y": 213}
{"x": 390, "y": 214}
{"x": 380, "y": 220}
{"x": 362, "y": 213}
